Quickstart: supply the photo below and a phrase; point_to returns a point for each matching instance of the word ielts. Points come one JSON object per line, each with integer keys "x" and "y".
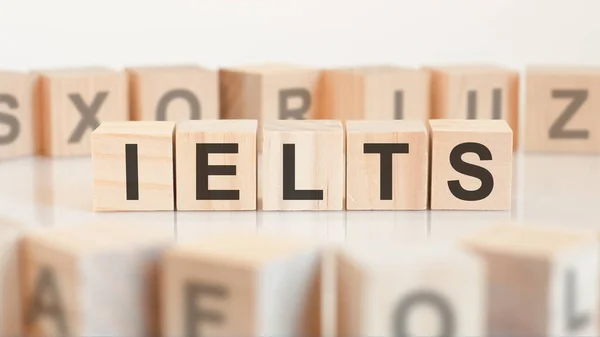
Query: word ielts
{"x": 306, "y": 165}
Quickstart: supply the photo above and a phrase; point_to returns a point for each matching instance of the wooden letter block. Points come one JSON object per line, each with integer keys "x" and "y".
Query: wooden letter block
{"x": 420, "y": 290}
{"x": 476, "y": 92}
{"x": 10, "y": 281}
{"x": 542, "y": 282}
{"x": 562, "y": 110}
{"x": 303, "y": 165}
{"x": 16, "y": 117}
{"x": 471, "y": 164}
{"x": 387, "y": 165}
{"x": 269, "y": 92}
{"x": 173, "y": 93}
{"x": 376, "y": 93}
{"x": 133, "y": 166}
{"x": 241, "y": 286}
{"x": 216, "y": 165}
{"x": 93, "y": 280}
{"x": 72, "y": 103}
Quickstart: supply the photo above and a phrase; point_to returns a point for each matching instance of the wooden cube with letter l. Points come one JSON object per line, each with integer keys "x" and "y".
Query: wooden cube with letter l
{"x": 542, "y": 281}
{"x": 173, "y": 93}
{"x": 413, "y": 290}
{"x": 561, "y": 106}
{"x": 471, "y": 164}
{"x": 16, "y": 115}
{"x": 240, "y": 285}
{"x": 133, "y": 166}
{"x": 72, "y": 103}
{"x": 93, "y": 280}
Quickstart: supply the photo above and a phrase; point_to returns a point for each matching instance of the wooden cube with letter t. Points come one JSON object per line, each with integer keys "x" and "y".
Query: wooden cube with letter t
{"x": 562, "y": 109}
{"x": 173, "y": 93}
{"x": 471, "y": 164}
{"x": 542, "y": 281}
{"x": 16, "y": 115}
{"x": 133, "y": 166}
{"x": 241, "y": 286}
{"x": 72, "y": 103}
{"x": 418, "y": 290}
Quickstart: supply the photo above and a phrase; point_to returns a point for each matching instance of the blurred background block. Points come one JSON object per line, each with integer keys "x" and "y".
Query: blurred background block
{"x": 16, "y": 114}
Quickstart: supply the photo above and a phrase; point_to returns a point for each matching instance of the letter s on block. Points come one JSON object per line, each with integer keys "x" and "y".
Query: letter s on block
{"x": 486, "y": 178}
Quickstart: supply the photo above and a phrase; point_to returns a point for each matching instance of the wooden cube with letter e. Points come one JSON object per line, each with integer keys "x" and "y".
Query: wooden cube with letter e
{"x": 542, "y": 281}
{"x": 16, "y": 115}
{"x": 471, "y": 164}
{"x": 173, "y": 93}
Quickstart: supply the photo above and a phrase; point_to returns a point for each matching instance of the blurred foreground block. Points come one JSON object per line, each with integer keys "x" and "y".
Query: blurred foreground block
{"x": 241, "y": 286}
{"x": 93, "y": 280}
{"x": 421, "y": 290}
{"x": 10, "y": 281}
{"x": 16, "y": 115}
{"x": 542, "y": 282}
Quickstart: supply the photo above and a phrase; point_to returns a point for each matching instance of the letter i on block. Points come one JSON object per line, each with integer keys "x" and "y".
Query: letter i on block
{"x": 93, "y": 280}
{"x": 471, "y": 164}
{"x": 72, "y": 103}
{"x": 241, "y": 286}
{"x": 421, "y": 290}
{"x": 542, "y": 281}
{"x": 133, "y": 166}
{"x": 387, "y": 165}
{"x": 216, "y": 165}
{"x": 303, "y": 165}
{"x": 562, "y": 109}
{"x": 16, "y": 116}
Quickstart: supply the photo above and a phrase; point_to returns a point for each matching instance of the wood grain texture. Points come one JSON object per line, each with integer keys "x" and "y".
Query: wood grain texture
{"x": 542, "y": 281}
{"x": 376, "y": 93}
{"x": 238, "y": 133}
{"x": 155, "y": 158}
{"x": 561, "y": 109}
{"x": 16, "y": 114}
{"x": 409, "y": 171}
{"x": 446, "y": 137}
{"x": 174, "y": 93}
{"x": 319, "y": 164}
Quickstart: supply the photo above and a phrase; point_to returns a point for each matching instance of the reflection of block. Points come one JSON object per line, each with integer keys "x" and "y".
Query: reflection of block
{"x": 561, "y": 106}
{"x": 303, "y": 165}
{"x": 476, "y": 92}
{"x": 93, "y": 280}
{"x": 216, "y": 165}
{"x": 376, "y": 93}
{"x": 16, "y": 117}
{"x": 424, "y": 290}
{"x": 387, "y": 165}
{"x": 543, "y": 282}
{"x": 471, "y": 164}
{"x": 133, "y": 166}
{"x": 241, "y": 286}
{"x": 72, "y": 103}
{"x": 173, "y": 93}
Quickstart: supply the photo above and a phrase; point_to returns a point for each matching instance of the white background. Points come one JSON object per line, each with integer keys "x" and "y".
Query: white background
{"x": 117, "y": 33}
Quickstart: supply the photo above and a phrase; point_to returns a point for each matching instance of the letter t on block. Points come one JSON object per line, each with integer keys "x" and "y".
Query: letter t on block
{"x": 133, "y": 166}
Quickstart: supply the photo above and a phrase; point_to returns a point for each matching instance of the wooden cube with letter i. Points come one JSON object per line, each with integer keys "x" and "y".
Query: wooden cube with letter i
{"x": 133, "y": 166}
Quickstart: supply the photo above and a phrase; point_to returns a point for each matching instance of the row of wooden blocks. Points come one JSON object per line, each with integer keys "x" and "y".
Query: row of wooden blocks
{"x": 130, "y": 280}
{"x": 306, "y": 165}
{"x": 55, "y": 111}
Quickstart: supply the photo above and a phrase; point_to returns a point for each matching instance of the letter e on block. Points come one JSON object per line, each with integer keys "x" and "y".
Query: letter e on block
{"x": 133, "y": 166}
{"x": 471, "y": 164}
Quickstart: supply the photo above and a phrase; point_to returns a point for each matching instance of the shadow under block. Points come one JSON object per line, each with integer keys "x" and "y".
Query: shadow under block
{"x": 16, "y": 115}
{"x": 387, "y": 165}
{"x": 241, "y": 286}
{"x": 542, "y": 282}
{"x": 72, "y": 103}
{"x": 133, "y": 166}
{"x": 471, "y": 164}
{"x": 562, "y": 109}
{"x": 93, "y": 280}
{"x": 269, "y": 92}
{"x": 476, "y": 92}
{"x": 376, "y": 93}
{"x": 415, "y": 290}
{"x": 173, "y": 93}
{"x": 303, "y": 166}
{"x": 216, "y": 165}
